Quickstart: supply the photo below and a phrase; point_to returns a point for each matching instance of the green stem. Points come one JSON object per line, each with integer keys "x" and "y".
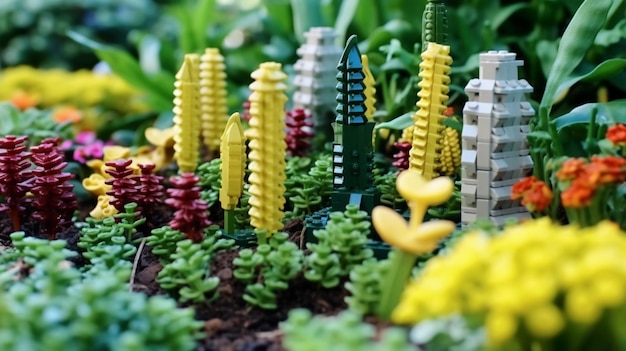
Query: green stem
{"x": 393, "y": 283}
{"x": 229, "y": 222}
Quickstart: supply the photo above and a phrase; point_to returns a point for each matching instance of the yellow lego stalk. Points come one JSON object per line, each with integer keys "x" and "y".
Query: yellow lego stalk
{"x": 213, "y": 98}
{"x": 187, "y": 115}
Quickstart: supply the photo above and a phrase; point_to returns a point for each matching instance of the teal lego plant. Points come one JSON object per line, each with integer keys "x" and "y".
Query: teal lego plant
{"x": 268, "y": 270}
{"x": 347, "y": 331}
{"x": 340, "y": 247}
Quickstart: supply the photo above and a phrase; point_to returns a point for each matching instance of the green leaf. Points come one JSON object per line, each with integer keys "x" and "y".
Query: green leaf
{"x": 345, "y": 16}
{"x": 203, "y": 16}
{"x": 608, "y": 113}
{"x": 575, "y": 42}
{"x": 306, "y": 14}
{"x": 602, "y": 71}
{"x": 504, "y": 13}
{"x": 279, "y": 11}
{"x": 398, "y": 123}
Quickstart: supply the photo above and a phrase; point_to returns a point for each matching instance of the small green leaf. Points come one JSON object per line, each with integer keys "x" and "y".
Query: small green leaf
{"x": 344, "y": 18}
{"x": 398, "y": 123}
{"x": 602, "y": 71}
{"x": 608, "y": 113}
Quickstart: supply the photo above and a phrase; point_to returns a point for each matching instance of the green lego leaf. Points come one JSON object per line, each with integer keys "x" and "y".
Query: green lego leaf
{"x": 398, "y": 123}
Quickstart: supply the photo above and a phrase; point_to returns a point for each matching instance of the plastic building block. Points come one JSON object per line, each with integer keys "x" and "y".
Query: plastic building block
{"x": 370, "y": 89}
{"x": 213, "y": 98}
{"x": 187, "y": 115}
{"x": 315, "y": 80}
{"x": 233, "y": 156}
{"x": 191, "y": 215}
{"x": 434, "y": 23}
{"x": 14, "y": 175}
{"x": 495, "y": 152}
{"x": 299, "y": 132}
{"x": 267, "y": 148}
{"x": 428, "y": 131}
{"x": 352, "y": 147}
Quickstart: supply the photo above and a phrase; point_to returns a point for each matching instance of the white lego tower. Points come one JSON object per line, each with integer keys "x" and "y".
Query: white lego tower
{"x": 315, "y": 81}
{"x": 495, "y": 151}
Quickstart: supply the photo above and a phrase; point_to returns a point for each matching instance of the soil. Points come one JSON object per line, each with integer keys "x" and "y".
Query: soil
{"x": 229, "y": 322}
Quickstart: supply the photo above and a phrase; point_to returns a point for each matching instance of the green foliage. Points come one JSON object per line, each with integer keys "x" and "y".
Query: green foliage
{"x": 340, "y": 247}
{"x": 33, "y": 32}
{"x": 451, "y": 333}
{"x": 268, "y": 270}
{"x": 163, "y": 242}
{"x": 241, "y": 216}
{"x": 210, "y": 180}
{"x": 34, "y": 123}
{"x": 308, "y": 184}
{"x": 386, "y": 185}
{"x": 46, "y": 304}
{"x": 129, "y": 220}
{"x": 188, "y": 273}
{"x": 186, "y": 269}
{"x": 347, "y": 331}
{"x": 97, "y": 238}
{"x": 364, "y": 285}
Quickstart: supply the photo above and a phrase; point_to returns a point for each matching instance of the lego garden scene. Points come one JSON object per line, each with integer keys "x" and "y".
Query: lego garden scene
{"x": 410, "y": 175}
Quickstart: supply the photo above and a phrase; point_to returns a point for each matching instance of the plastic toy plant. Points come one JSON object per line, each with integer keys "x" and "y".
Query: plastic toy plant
{"x": 13, "y": 176}
{"x": 427, "y": 128}
{"x": 191, "y": 216}
{"x": 435, "y": 23}
{"x": 410, "y": 239}
{"x": 267, "y": 149}
{"x": 233, "y": 165}
{"x": 214, "y": 113}
{"x": 370, "y": 89}
{"x": 187, "y": 115}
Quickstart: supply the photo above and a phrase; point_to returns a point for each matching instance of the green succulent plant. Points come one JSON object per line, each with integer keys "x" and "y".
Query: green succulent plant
{"x": 36, "y": 124}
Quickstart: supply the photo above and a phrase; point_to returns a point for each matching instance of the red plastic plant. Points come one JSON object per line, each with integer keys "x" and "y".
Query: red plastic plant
{"x": 299, "y": 132}
{"x": 401, "y": 159}
{"x": 14, "y": 176}
{"x": 54, "y": 202}
{"x": 245, "y": 114}
{"x": 149, "y": 189}
{"x": 191, "y": 212}
{"x": 123, "y": 186}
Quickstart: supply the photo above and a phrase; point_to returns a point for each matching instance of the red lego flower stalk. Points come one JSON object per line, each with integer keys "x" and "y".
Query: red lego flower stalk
{"x": 245, "y": 114}
{"x": 299, "y": 132}
{"x": 191, "y": 216}
{"x": 401, "y": 159}
{"x": 123, "y": 187}
{"x": 54, "y": 202}
{"x": 149, "y": 189}
{"x": 14, "y": 176}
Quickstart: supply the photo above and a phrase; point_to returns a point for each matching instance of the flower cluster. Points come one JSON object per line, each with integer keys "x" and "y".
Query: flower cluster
{"x": 536, "y": 196}
{"x": 617, "y": 134}
{"x": 86, "y": 147}
{"x": 537, "y": 281}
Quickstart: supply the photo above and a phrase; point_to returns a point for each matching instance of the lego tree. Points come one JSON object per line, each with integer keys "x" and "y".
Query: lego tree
{"x": 495, "y": 151}
{"x": 352, "y": 147}
{"x": 14, "y": 176}
{"x": 267, "y": 149}
{"x": 315, "y": 79}
{"x": 213, "y": 104}
{"x": 191, "y": 215}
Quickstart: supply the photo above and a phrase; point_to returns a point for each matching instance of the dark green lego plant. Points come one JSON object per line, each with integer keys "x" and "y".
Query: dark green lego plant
{"x": 47, "y": 304}
{"x": 268, "y": 270}
{"x": 386, "y": 183}
{"x": 210, "y": 180}
{"x": 163, "y": 242}
{"x": 347, "y": 332}
{"x": 98, "y": 235}
{"x": 340, "y": 247}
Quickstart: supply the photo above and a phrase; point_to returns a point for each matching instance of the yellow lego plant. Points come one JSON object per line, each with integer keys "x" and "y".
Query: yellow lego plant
{"x": 213, "y": 102}
{"x": 413, "y": 238}
{"x": 187, "y": 115}
{"x": 370, "y": 89}
{"x": 535, "y": 286}
{"x": 233, "y": 165}
{"x": 427, "y": 127}
{"x": 267, "y": 149}
{"x": 450, "y": 154}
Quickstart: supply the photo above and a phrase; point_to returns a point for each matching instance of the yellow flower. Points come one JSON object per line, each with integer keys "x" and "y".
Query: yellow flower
{"x": 544, "y": 322}
{"x": 500, "y": 327}
{"x": 581, "y": 307}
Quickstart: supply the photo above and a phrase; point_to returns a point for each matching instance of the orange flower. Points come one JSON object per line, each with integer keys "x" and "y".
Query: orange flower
{"x": 67, "y": 114}
{"x": 617, "y": 134}
{"x": 612, "y": 169}
{"x": 449, "y": 111}
{"x": 538, "y": 198}
{"x": 23, "y": 101}
{"x": 571, "y": 169}
{"x": 521, "y": 187}
{"x": 577, "y": 195}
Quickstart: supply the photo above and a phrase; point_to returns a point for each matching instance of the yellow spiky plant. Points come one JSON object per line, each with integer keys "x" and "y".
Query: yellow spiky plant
{"x": 233, "y": 156}
{"x": 428, "y": 131}
{"x": 213, "y": 98}
{"x": 267, "y": 149}
{"x": 187, "y": 115}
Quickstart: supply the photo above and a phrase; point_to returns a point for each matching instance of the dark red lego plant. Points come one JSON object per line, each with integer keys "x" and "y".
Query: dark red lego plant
{"x": 191, "y": 216}
{"x": 54, "y": 202}
{"x": 401, "y": 158}
{"x": 123, "y": 186}
{"x": 14, "y": 176}
{"x": 149, "y": 189}
{"x": 299, "y": 132}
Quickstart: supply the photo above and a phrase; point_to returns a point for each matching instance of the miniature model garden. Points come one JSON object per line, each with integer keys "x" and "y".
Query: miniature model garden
{"x": 349, "y": 186}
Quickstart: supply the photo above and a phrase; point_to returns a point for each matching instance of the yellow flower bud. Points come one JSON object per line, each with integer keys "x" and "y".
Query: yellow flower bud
{"x": 501, "y": 327}
{"x": 544, "y": 322}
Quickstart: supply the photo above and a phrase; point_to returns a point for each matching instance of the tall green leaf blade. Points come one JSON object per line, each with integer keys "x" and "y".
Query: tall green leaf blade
{"x": 602, "y": 71}
{"x": 344, "y": 18}
{"x": 279, "y": 12}
{"x": 576, "y": 41}
{"x": 607, "y": 113}
{"x": 306, "y": 14}
{"x": 203, "y": 17}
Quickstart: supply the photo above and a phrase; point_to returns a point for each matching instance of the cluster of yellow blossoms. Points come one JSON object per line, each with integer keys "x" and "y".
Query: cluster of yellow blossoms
{"x": 535, "y": 282}
{"x": 81, "y": 89}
